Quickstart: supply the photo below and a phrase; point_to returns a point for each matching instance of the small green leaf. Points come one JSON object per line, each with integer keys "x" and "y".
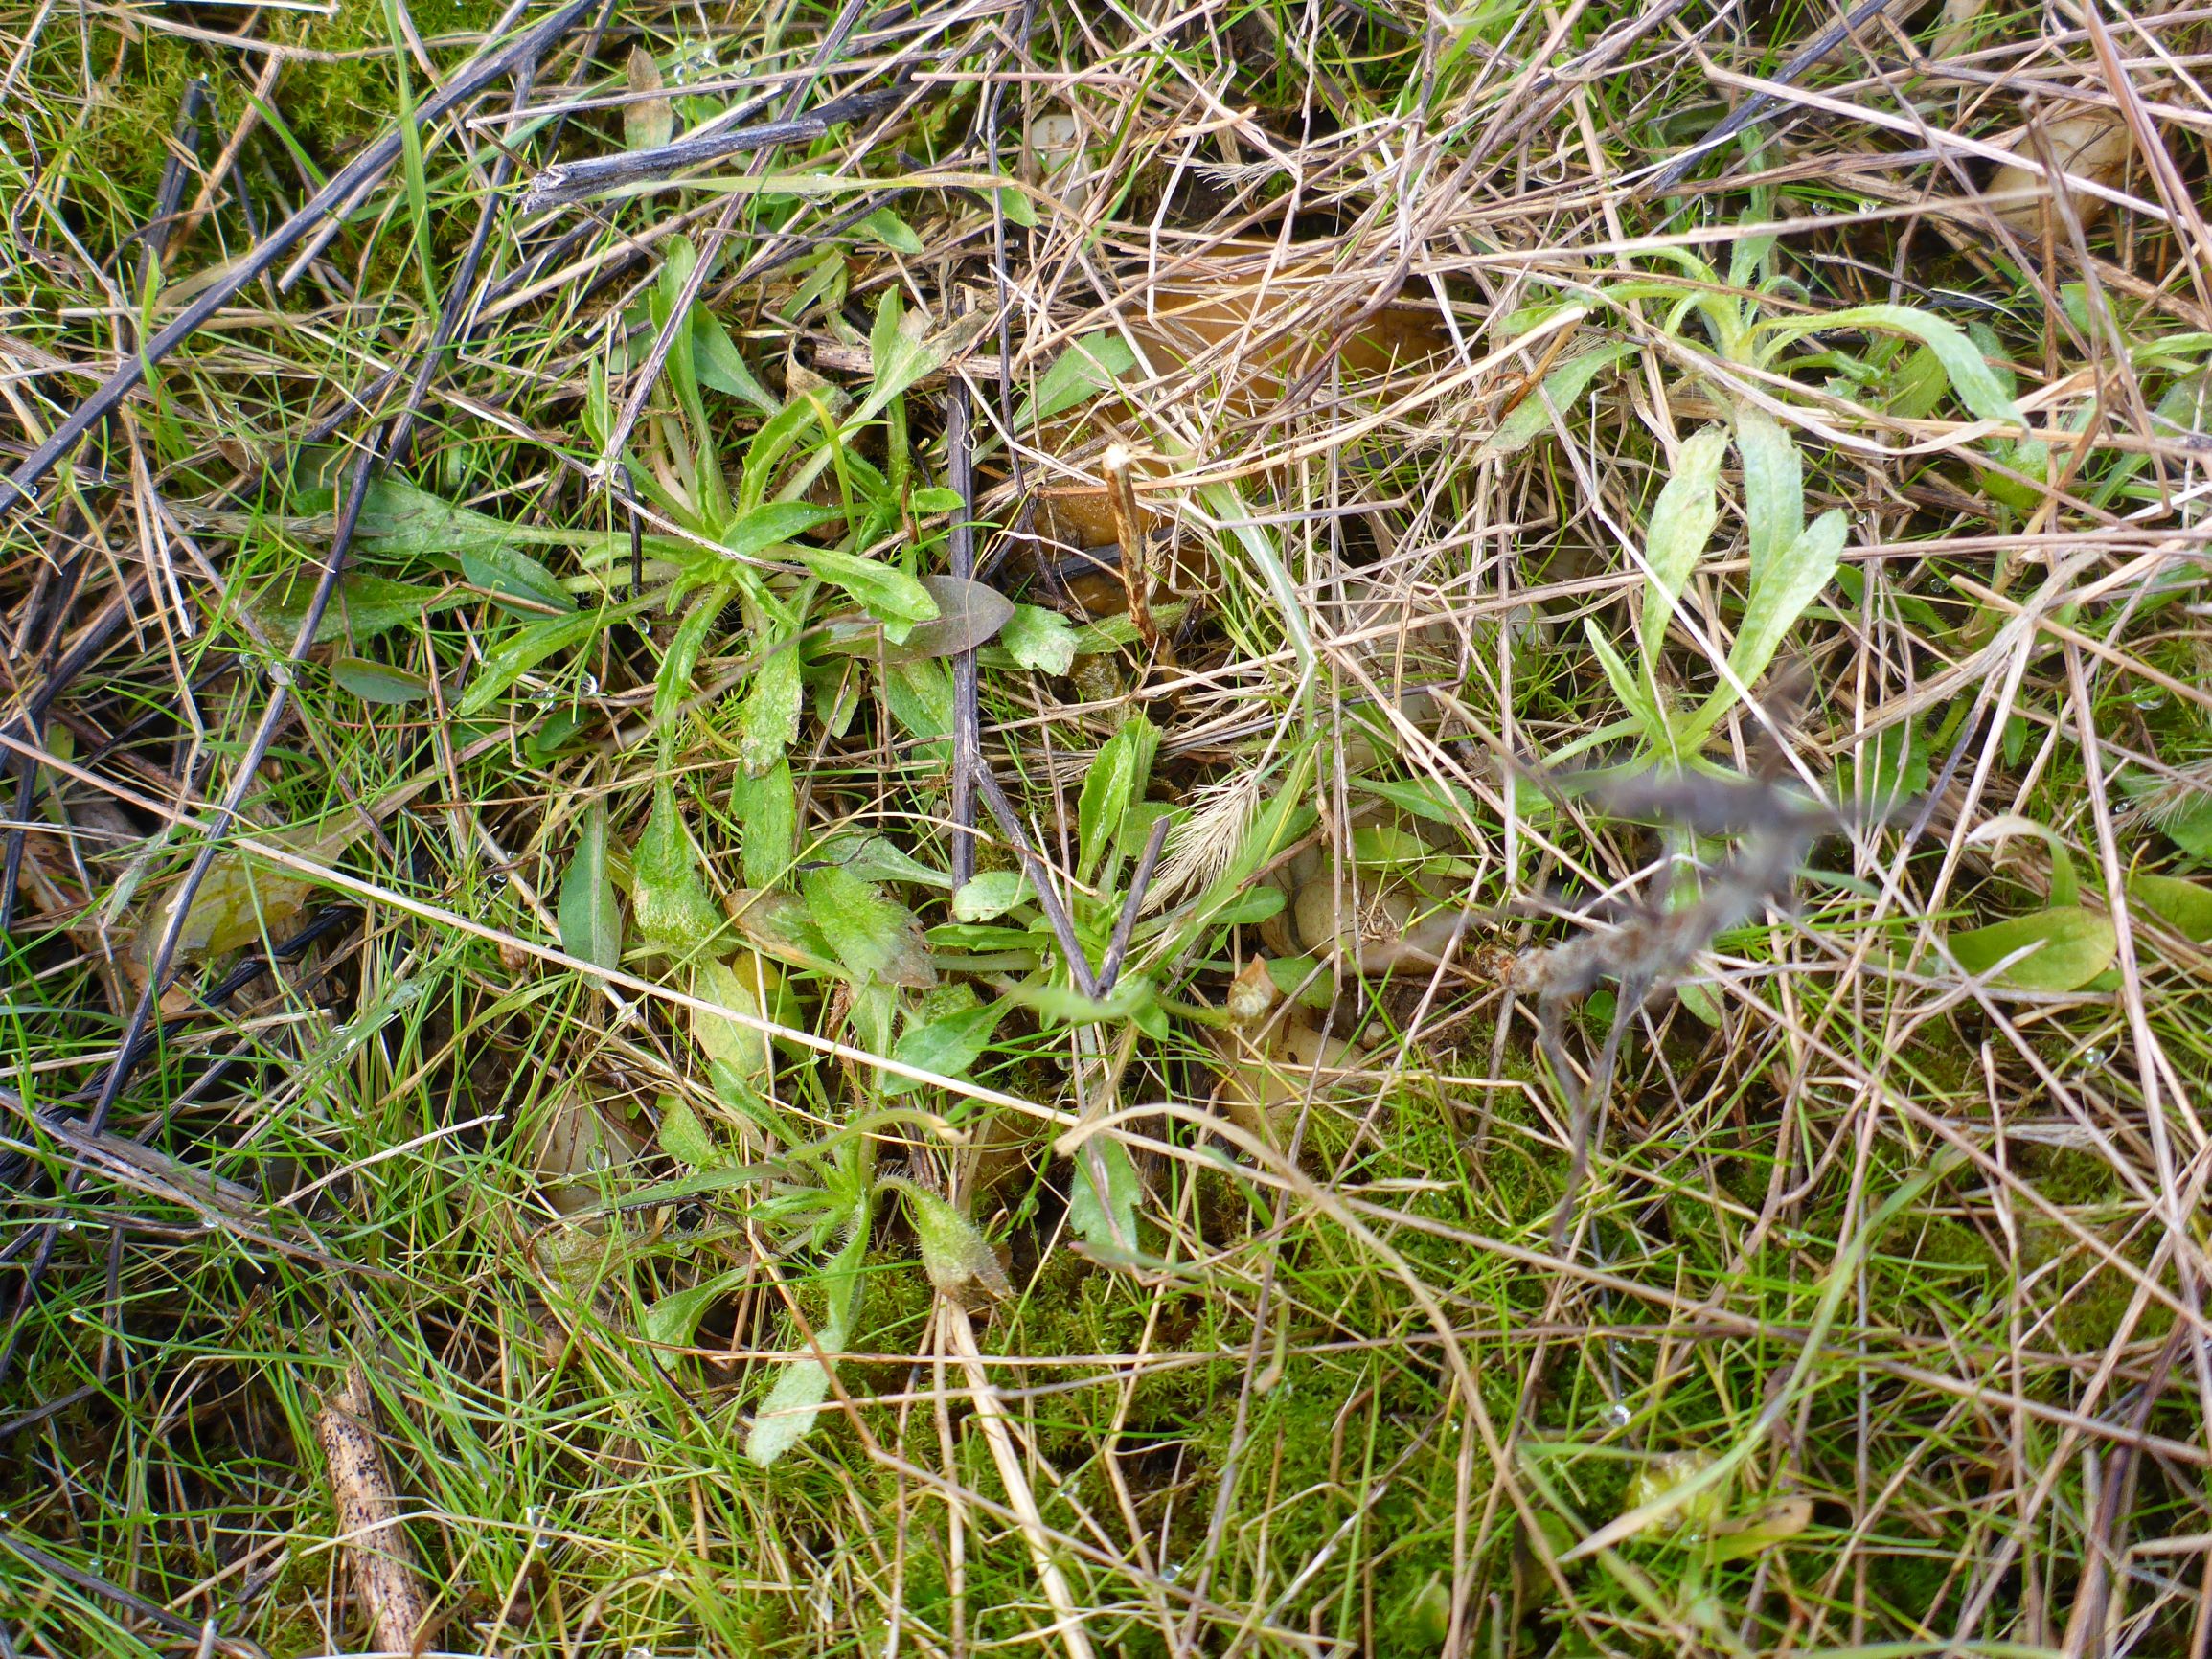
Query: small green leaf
{"x": 674, "y": 683}
{"x": 766, "y": 808}
{"x": 919, "y": 695}
{"x": 803, "y": 1384}
{"x": 769, "y": 524}
{"x": 379, "y": 682}
{"x": 673, "y": 1321}
{"x": 1774, "y": 488}
{"x": 743, "y": 1049}
{"x": 2070, "y": 947}
{"x": 674, "y": 912}
{"x": 893, "y": 231}
{"x": 1117, "y": 779}
{"x": 590, "y": 914}
{"x": 1890, "y": 766}
{"x": 1386, "y": 846}
{"x": 1104, "y": 1217}
{"x": 789, "y": 1411}
{"x": 889, "y": 593}
{"x": 1091, "y": 363}
{"x": 509, "y": 573}
{"x": 1699, "y": 1000}
{"x": 510, "y": 660}
{"x": 1634, "y": 697}
{"x": 771, "y": 717}
{"x": 874, "y": 936}
{"x": 990, "y": 894}
{"x": 900, "y": 352}
{"x": 1433, "y": 798}
{"x": 1777, "y": 1523}
{"x": 1780, "y": 594}
{"x": 947, "y": 1045}
{"x": 1682, "y": 525}
{"x": 364, "y": 607}
{"x": 2185, "y": 906}
{"x": 1039, "y": 639}
{"x": 684, "y": 1138}
{"x": 932, "y": 499}
{"x": 1978, "y": 385}
{"x": 879, "y": 858}
{"x": 722, "y": 365}
{"x": 1779, "y": 597}
{"x": 412, "y": 520}
{"x": 1562, "y": 386}
{"x": 1059, "y": 1004}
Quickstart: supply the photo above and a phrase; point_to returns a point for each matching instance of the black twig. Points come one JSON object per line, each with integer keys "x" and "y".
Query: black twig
{"x": 1111, "y": 970}
{"x": 169, "y": 199}
{"x": 1757, "y": 108}
{"x": 967, "y": 714}
{"x": 575, "y": 181}
{"x": 1048, "y": 894}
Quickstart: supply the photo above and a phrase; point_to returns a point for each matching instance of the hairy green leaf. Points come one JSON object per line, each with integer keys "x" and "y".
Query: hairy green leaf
{"x": 947, "y": 1045}
{"x": 510, "y": 660}
{"x": 1567, "y": 381}
{"x": 669, "y": 900}
{"x": 1978, "y": 385}
{"x": 1039, "y": 639}
{"x": 1774, "y": 488}
{"x": 1682, "y": 525}
{"x": 888, "y": 592}
{"x": 768, "y": 814}
{"x": 1091, "y": 363}
{"x": 991, "y": 894}
{"x": 590, "y": 914}
{"x": 873, "y": 935}
{"x": 2070, "y": 948}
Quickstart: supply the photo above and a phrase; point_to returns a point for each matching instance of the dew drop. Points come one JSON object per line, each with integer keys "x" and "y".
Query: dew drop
{"x": 597, "y": 1159}
{"x": 2093, "y": 1060}
{"x": 587, "y": 684}
{"x": 2149, "y": 697}
{"x": 1618, "y": 1415}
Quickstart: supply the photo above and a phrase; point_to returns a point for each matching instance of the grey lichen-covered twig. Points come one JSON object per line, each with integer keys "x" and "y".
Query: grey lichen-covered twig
{"x": 1655, "y": 946}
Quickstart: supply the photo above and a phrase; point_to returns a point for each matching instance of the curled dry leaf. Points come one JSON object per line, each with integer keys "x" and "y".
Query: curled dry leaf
{"x": 2093, "y": 145}
{"x": 1264, "y": 1081}
{"x": 1386, "y": 923}
{"x": 577, "y": 1149}
{"x": 1252, "y": 995}
{"x": 1245, "y": 317}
